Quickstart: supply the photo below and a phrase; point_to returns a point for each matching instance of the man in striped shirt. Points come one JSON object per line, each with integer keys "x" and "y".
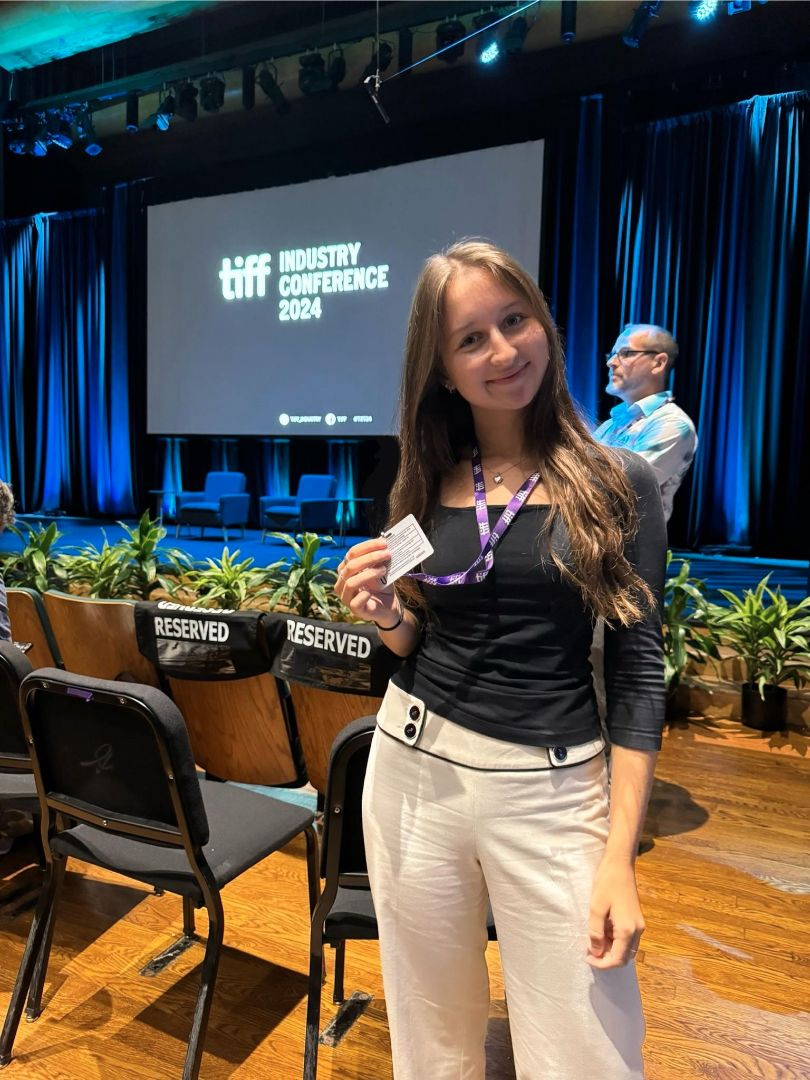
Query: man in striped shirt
{"x": 647, "y": 420}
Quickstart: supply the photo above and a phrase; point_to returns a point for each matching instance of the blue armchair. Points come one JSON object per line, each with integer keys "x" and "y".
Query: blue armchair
{"x": 313, "y": 507}
{"x": 224, "y": 502}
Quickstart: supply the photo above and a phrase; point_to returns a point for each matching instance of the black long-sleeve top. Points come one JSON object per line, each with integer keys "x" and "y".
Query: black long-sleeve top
{"x": 509, "y": 657}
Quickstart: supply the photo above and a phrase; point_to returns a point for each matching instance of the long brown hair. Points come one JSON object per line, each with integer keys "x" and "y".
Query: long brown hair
{"x": 587, "y": 487}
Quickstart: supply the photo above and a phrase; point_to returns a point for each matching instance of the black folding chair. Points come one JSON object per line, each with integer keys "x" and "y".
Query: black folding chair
{"x": 118, "y": 789}
{"x": 345, "y": 911}
{"x": 17, "y": 786}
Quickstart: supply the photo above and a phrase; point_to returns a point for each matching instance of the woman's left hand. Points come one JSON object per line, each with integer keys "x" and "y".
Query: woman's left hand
{"x": 615, "y": 924}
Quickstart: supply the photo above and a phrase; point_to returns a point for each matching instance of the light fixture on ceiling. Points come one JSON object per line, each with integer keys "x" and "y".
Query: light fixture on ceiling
{"x": 86, "y": 132}
{"x": 131, "y": 125}
{"x": 268, "y": 81}
{"x": 642, "y": 16}
{"x": 703, "y": 10}
{"x": 186, "y": 106}
{"x": 380, "y": 61}
{"x": 212, "y": 93}
{"x": 448, "y": 40}
{"x": 513, "y": 39}
{"x": 312, "y": 77}
{"x": 568, "y": 21}
{"x": 487, "y": 46}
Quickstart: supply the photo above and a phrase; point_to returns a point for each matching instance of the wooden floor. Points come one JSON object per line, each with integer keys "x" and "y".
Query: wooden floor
{"x": 724, "y": 965}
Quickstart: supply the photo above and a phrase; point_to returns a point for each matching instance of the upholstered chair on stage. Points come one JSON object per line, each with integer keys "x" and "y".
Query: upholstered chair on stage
{"x": 313, "y": 507}
{"x": 224, "y": 502}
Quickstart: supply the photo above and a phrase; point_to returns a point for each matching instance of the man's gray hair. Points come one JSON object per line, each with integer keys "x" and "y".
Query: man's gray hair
{"x": 657, "y": 338}
{"x": 6, "y": 505}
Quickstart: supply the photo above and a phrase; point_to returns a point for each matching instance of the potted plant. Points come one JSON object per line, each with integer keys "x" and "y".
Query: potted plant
{"x": 36, "y": 566}
{"x": 772, "y": 640}
{"x": 223, "y": 583}
{"x": 687, "y": 639}
{"x": 306, "y": 586}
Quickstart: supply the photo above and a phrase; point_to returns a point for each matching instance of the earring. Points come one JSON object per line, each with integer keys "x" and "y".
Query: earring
{"x": 449, "y": 388}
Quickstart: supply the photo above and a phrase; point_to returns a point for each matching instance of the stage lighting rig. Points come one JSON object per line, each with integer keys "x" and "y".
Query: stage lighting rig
{"x": 487, "y": 46}
{"x": 268, "y": 81}
{"x": 60, "y": 132}
{"x": 187, "y": 101}
{"x": 381, "y": 61}
{"x": 568, "y": 21}
{"x": 448, "y": 39}
{"x": 515, "y": 35}
{"x": 212, "y": 93}
{"x": 86, "y": 132}
{"x": 131, "y": 125}
{"x": 312, "y": 77}
{"x": 644, "y": 13}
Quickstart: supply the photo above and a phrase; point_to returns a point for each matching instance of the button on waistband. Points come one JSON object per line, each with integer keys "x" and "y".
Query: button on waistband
{"x": 560, "y": 753}
{"x": 413, "y": 712}
{"x": 410, "y": 731}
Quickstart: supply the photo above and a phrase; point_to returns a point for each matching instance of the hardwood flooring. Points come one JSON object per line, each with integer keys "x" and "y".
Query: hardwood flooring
{"x": 724, "y": 965}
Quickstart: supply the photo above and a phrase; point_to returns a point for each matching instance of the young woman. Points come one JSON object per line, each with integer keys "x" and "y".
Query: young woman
{"x": 487, "y": 780}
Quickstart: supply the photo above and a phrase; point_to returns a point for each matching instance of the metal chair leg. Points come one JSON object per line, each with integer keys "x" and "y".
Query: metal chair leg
{"x": 338, "y": 996}
{"x": 202, "y": 1009}
{"x": 188, "y": 917}
{"x": 313, "y": 874}
{"x": 36, "y": 937}
{"x": 313, "y": 1001}
{"x": 34, "y": 1005}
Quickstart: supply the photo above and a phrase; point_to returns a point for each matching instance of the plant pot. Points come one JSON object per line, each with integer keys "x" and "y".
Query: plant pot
{"x": 769, "y": 714}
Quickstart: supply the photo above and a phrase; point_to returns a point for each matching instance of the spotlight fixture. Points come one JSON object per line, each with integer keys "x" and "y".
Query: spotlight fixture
{"x": 186, "y": 106}
{"x": 248, "y": 87}
{"x": 165, "y": 113}
{"x": 568, "y": 21}
{"x": 703, "y": 10}
{"x": 212, "y": 93}
{"x": 381, "y": 61}
{"x": 448, "y": 40}
{"x": 60, "y": 133}
{"x": 336, "y": 68}
{"x": 131, "y": 124}
{"x": 487, "y": 47}
{"x": 515, "y": 35}
{"x": 87, "y": 135}
{"x": 312, "y": 77}
{"x": 268, "y": 81}
{"x": 647, "y": 10}
{"x": 37, "y": 132}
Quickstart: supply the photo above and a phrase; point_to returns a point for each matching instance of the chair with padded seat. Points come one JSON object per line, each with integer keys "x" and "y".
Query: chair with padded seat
{"x": 345, "y": 910}
{"x": 223, "y": 503}
{"x": 17, "y": 787}
{"x": 313, "y": 502}
{"x": 119, "y": 790}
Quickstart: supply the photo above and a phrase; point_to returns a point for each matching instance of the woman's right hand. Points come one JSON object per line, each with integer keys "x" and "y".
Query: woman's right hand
{"x": 359, "y": 583}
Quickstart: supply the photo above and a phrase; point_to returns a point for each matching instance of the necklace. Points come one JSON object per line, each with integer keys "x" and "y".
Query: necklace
{"x": 505, "y": 468}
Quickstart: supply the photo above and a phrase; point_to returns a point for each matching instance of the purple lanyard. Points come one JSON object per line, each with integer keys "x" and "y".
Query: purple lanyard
{"x": 489, "y": 539}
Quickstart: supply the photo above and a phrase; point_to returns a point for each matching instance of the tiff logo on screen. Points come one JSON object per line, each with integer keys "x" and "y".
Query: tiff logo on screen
{"x": 245, "y": 277}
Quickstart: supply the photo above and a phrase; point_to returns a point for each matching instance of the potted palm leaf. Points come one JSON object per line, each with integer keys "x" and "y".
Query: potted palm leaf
{"x": 687, "y": 638}
{"x": 772, "y": 640}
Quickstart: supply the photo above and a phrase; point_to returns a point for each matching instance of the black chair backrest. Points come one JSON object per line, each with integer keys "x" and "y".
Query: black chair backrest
{"x": 343, "y": 852}
{"x": 14, "y": 666}
{"x": 346, "y": 657}
{"x": 206, "y": 643}
{"x": 114, "y": 753}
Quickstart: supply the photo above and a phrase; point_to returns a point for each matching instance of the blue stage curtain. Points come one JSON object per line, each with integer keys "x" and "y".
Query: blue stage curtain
{"x": 64, "y": 364}
{"x": 714, "y": 243}
{"x": 343, "y": 465}
{"x": 275, "y": 454}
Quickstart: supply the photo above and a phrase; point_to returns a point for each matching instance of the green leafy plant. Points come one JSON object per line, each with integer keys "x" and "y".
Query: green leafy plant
{"x": 106, "y": 574}
{"x": 140, "y": 550}
{"x": 686, "y": 637}
{"x": 307, "y": 586}
{"x": 36, "y": 566}
{"x": 770, "y": 636}
{"x": 228, "y": 583}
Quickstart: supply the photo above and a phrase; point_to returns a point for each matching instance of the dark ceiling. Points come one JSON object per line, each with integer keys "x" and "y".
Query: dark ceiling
{"x": 437, "y": 108}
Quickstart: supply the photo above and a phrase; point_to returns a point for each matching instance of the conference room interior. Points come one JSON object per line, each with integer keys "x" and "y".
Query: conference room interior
{"x": 212, "y": 218}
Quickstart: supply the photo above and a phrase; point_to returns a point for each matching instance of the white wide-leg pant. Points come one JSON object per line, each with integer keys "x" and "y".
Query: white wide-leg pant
{"x": 509, "y": 826}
